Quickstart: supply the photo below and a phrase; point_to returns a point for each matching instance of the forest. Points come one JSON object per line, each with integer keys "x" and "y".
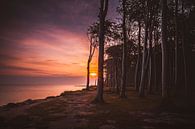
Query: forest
{"x": 145, "y": 74}
{"x": 149, "y": 48}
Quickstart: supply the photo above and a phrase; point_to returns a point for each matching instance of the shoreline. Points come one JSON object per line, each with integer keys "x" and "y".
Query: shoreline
{"x": 34, "y": 93}
{"x": 74, "y": 110}
{"x": 30, "y": 101}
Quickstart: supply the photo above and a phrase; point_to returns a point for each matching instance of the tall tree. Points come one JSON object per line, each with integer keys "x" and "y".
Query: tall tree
{"x": 124, "y": 57}
{"x": 176, "y": 43}
{"x": 150, "y": 56}
{"x": 102, "y": 17}
{"x": 164, "y": 47}
{"x": 144, "y": 57}
{"x": 183, "y": 51}
{"x": 137, "y": 78}
{"x": 93, "y": 45}
{"x": 153, "y": 8}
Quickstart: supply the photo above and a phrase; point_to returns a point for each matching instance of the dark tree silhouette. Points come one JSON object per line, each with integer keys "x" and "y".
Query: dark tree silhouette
{"x": 124, "y": 57}
{"x": 165, "y": 60}
{"x": 176, "y": 42}
{"x": 137, "y": 72}
{"x": 144, "y": 57}
{"x": 100, "y": 84}
{"x": 92, "y": 36}
{"x": 161, "y": 36}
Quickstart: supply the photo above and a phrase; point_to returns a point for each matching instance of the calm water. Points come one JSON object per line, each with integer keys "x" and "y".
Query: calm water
{"x": 20, "y": 93}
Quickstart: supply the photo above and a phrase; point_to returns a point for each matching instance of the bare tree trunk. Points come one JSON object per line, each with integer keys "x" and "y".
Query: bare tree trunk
{"x": 184, "y": 55}
{"x": 91, "y": 53}
{"x": 155, "y": 57}
{"x": 119, "y": 75}
{"x": 144, "y": 57}
{"x": 144, "y": 68}
{"x": 155, "y": 70}
{"x": 88, "y": 73}
{"x": 176, "y": 43}
{"x": 116, "y": 75}
{"x": 111, "y": 77}
{"x": 137, "y": 75}
{"x": 164, "y": 46}
{"x": 151, "y": 39}
{"x": 150, "y": 64}
{"x": 103, "y": 13}
{"x": 150, "y": 77}
{"x": 124, "y": 58}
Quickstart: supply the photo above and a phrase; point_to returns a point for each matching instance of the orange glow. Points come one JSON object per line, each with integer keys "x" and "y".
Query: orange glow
{"x": 93, "y": 74}
{"x": 94, "y": 65}
{"x": 58, "y": 53}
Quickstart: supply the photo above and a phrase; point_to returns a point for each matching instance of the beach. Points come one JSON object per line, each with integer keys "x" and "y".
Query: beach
{"x": 75, "y": 110}
{"x": 19, "y": 93}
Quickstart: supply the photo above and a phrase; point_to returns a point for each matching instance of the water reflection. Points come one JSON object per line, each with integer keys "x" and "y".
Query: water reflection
{"x": 20, "y": 93}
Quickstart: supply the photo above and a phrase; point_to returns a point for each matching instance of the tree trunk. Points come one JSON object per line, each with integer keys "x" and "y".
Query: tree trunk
{"x": 144, "y": 58}
{"x": 184, "y": 54}
{"x": 150, "y": 75}
{"x": 137, "y": 75}
{"x": 88, "y": 73}
{"x": 91, "y": 53}
{"x": 124, "y": 58}
{"x": 155, "y": 60}
{"x": 164, "y": 47}
{"x": 176, "y": 43}
{"x": 116, "y": 75}
{"x": 150, "y": 72}
{"x": 103, "y": 13}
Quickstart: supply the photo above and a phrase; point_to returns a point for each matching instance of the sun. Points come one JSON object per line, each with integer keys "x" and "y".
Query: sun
{"x": 93, "y": 74}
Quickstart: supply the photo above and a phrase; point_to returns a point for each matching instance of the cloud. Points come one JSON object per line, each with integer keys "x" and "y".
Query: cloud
{"x": 12, "y": 80}
{"x": 51, "y": 49}
{"x": 68, "y": 14}
{"x": 46, "y": 38}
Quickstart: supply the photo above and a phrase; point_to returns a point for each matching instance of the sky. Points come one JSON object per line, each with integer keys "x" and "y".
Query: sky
{"x": 41, "y": 40}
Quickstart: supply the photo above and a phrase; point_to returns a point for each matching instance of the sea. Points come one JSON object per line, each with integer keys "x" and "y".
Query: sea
{"x": 19, "y": 93}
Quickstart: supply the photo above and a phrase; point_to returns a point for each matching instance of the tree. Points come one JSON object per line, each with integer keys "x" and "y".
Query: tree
{"x": 144, "y": 56}
{"x": 184, "y": 51}
{"x": 164, "y": 47}
{"x": 111, "y": 35}
{"x": 93, "y": 44}
{"x": 135, "y": 18}
{"x": 176, "y": 43}
{"x": 153, "y": 12}
{"x": 102, "y": 17}
{"x": 124, "y": 57}
{"x": 137, "y": 77}
{"x": 114, "y": 62}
